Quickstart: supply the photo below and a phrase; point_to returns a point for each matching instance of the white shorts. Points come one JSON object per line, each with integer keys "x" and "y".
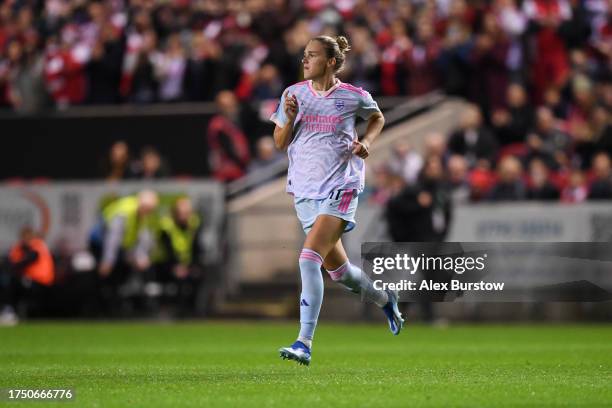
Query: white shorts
{"x": 339, "y": 203}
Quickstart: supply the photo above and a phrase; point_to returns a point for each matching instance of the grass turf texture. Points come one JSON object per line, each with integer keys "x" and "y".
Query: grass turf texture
{"x": 237, "y": 364}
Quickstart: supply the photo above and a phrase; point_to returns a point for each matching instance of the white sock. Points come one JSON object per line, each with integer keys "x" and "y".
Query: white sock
{"x": 311, "y": 297}
{"x": 307, "y": 342}
{"x": 353, "y": 278}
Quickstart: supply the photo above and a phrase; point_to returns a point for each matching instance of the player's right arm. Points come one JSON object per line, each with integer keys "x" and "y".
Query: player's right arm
{"x": 284, "y": 118}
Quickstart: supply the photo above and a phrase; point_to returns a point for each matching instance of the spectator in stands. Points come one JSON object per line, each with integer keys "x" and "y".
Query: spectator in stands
{"x": 581, "y": 107}
{"x": 202, "y": 68}
{"x": 361, "y": 69}
{"x": 456, "y": 46}
{"x": 170, "y": 70}
{"x": 549, "y": 62}
{"x": 539, "y": 186}
{"x": 581, "y": 68}
{"x": 576, "y": 31}
{"x": 593, "y": 137}
{"x": 24, "y": 69}
{"x": 435, "y": 145}
{"x": 117, "y": 165}
{"x": 386, "y": 185}
{"x": 395, "y": 45}
{"x": 267, "y": 155}
{"x": 472, "y": 139}
{"x": 554, "y": 101}
{"x": 405, "y": 162}
{"x": 421, "y": 213}
{"x": 140, "y": 81}
{"x": 482, "y": 180}
{"x": 421, "y": 58}
{"x": 64, "y": 71}
{"x": 267, "y": 83}
{"x": 510, "y": 186}
{"x": 179, "y": 260}
{"x": 514, "y": 23}
{"x": 151, "y": 165}
{"x": 547, "y": 141}
{"x": 601, "y": 127}
{"x": 104, "y": 67}
{"x": 601, "y": 186}
{"x": 488, "y": 61}
{"x": 458, "y": 179}
{"x": 32, "y": 271}
{"x": 512, "y": 124}
{"x": 577, "y": 190}
{"x": 229, "y": 150}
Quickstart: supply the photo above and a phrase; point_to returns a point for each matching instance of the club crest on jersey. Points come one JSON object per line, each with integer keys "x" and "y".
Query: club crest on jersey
{"x": 339, "y": 104}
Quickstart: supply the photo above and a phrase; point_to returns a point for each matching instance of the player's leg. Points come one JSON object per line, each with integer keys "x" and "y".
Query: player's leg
{"x": 352, "y": 277}
{"x": 320, "y": 240}
{"x": 341, "y": 270}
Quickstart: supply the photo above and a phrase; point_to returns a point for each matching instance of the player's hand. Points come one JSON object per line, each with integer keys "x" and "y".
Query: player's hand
{"x": 425, "y": 199}
{"x": 142, "y": 263}
{"x": 105, "y": 269}
{"x": 501, "y": 117}
{"x": 361, "y": 149}
{"x": 181, "y": 271}
{"x": 291, "y": 107}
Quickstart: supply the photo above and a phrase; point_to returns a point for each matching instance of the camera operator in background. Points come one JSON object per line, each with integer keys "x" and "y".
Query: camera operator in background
{"x": 124, "y": 240}
{"x": 179, "y": 252}
{"x": 31, "y": 274}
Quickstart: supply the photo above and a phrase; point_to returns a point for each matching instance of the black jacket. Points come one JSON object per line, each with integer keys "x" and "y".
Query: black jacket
{"x": 408, "y": 221}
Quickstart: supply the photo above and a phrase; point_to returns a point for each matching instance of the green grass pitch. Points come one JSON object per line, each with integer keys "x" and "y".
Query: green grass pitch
{"x": 218, "y": 364}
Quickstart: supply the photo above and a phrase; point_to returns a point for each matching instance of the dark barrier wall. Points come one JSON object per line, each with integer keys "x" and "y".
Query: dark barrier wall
{"x": 73, "y": 148}
{"x": 72, "y": 145}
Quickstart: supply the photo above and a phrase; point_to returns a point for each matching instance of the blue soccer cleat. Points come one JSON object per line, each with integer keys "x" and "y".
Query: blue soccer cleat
{"x": 393, "y": 314}
{"x": 298, "y": 351}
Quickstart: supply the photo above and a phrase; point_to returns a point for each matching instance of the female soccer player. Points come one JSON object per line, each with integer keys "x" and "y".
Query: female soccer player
{"x": 315, "y": 122}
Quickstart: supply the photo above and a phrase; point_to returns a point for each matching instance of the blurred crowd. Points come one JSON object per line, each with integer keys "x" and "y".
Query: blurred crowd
{"x": 539, "y": 73}
{"x": 473, "y": 165}
{"x": 66, "y": 52}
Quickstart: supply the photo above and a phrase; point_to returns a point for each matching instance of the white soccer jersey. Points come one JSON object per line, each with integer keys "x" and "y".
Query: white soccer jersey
{"x": 320, "y": 154}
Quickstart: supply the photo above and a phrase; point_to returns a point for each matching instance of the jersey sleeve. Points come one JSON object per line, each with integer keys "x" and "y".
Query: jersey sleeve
{"x": 367, "y": 106}
{"x": 279, "y": 117}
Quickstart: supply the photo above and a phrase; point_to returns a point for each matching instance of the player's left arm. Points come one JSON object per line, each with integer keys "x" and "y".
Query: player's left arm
{"x": 375, "y": 125}
{"x": 368, "y": 109}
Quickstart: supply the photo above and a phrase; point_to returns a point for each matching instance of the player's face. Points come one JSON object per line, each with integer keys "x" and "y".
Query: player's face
{"x": 315, "y": 61}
